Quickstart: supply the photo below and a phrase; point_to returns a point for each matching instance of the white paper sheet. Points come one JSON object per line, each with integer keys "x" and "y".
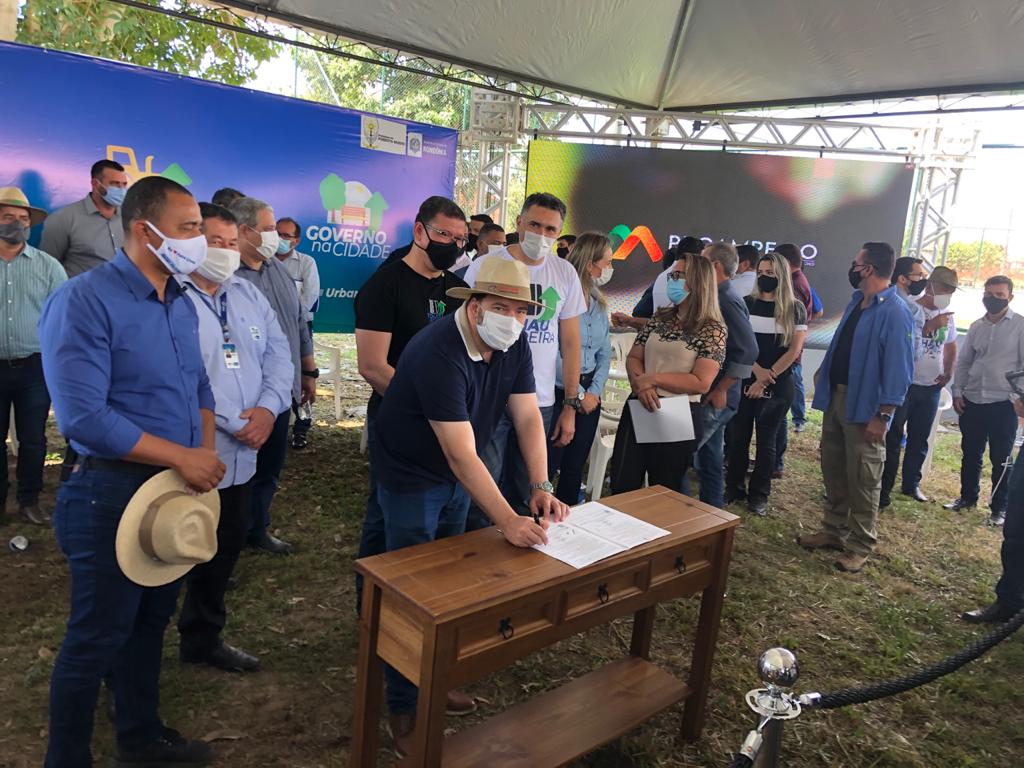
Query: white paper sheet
{"x": 671, "y": 423}
{"x": 593, "y": 532}
{"x": 612, "y": 525}
{"x": 576, "y": 546}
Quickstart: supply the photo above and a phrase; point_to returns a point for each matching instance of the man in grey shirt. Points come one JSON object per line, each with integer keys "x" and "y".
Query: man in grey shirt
{"x": 983, "y": 398}
{"x": 257, "y": 243}
{"x": 88, "y": 232}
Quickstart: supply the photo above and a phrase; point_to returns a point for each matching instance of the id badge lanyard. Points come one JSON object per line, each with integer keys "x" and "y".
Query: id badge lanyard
{"x": 228, "y": 349}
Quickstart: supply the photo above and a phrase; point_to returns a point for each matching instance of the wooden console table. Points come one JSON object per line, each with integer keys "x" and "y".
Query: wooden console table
{"x": 449, "y": 612}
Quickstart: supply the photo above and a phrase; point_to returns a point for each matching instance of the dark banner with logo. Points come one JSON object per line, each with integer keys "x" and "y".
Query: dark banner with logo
{"x": 647, "y": 199}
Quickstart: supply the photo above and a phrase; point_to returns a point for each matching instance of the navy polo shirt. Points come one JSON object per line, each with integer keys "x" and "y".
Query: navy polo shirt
{"x": 442, "y": 376}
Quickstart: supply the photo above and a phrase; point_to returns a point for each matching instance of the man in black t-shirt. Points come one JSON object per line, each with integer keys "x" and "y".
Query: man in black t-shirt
{"x": 454, "y": 382}
{"x": 399, "y": 300}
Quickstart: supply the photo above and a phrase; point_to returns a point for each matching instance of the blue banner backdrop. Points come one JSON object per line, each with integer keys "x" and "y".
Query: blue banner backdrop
{"x": 352, "y": 180}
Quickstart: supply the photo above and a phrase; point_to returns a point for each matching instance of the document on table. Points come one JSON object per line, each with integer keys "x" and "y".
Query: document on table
{"x": 593, "y": 532}
{"x": 672, "y": 423}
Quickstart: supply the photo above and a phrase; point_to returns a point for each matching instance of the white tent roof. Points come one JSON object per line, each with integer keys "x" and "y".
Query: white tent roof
{"x": 698, "y": 53}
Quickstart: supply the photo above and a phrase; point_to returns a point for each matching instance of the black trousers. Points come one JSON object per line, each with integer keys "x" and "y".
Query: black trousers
{"x": 1010, "y": 589}
{"x": 22, "y": 385}
{"x": 764, "y": 414}
{"x": 996, "y": 425}
{"x": 661, "y": 463}
{"x": 569, "y": 461}
{"x": 203, "y": 612}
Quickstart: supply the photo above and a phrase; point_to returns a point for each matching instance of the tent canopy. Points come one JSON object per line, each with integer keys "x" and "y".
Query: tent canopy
{"x": 686, "y": 54}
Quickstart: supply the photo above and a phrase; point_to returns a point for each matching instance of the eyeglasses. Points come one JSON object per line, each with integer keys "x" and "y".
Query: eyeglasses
{"x": 445, "y": 234}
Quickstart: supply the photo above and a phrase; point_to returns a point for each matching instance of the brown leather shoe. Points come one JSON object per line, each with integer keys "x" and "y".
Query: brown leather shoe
{"x": 34, "y": 515}
{"x": 851, "y": 562}
{"x": 460, "y": 703}
{"x": 820, "y": 540}
{"x": 403, "y": 733}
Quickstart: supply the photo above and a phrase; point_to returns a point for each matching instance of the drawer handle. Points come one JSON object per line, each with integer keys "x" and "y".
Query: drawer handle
{"x": 602, "y": 594}
{"x": 680, "y": 564}
{"x": 506, "y": 629}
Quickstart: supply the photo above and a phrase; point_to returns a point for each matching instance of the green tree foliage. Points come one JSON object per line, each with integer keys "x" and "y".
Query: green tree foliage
{"x": 376, "y": 88}
{"x": 976, "y": 261}
{"x": 135, "y": 36}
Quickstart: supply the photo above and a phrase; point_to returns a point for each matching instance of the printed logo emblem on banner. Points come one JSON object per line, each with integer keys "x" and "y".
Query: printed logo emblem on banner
{"x": 415, "y": 145}
{"x": 382, "y": 135}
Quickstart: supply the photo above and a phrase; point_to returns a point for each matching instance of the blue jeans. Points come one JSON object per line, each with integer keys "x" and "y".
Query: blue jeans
{"x": 1010, "y": 589}
{"x": 799, "y": 409}
{"x": 414, "y": 518}
{"x": 269, "y": 463}
{"x": 710, "y": 457}
{"x": 372, "y": 541}
{"x": 504, "y": 461}
{"x": 115, "y": 626}
{"x": 24, "y": 388}
{"x": 916, "y": 415}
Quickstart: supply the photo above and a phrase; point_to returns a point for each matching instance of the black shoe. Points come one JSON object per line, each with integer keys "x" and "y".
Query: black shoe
{"x": 997, "y": 518}
{"x": 731, "y": 497}
{"x": 915, "y": 494}
{"x": 778, "y": 474}
{"x": 758, "y": 507}
{"x": 172, "y": 748}
{"x": 884, "y": 500}
{"x": 225, "y": 657}
{"x": 271, "y": 544}
{"x": 299, "y": 442}
{"x": 33, "y": 515}
{"x": 959, "y": 505}
{"x": 994, "y": 614}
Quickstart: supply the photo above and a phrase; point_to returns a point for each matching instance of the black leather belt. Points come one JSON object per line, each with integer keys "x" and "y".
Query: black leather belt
{"x": 116, "y": 465}
{"x": 18, "y": 362}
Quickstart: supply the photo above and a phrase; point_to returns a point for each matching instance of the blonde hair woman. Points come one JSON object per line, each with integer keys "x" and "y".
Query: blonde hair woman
{"x": 779, "y": 321}
{"x": 677, "y": 354}
{"x": 591, "y": 255}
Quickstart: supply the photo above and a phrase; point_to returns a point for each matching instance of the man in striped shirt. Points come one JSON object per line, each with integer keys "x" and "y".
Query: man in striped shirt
{"x": 27, "y": 277}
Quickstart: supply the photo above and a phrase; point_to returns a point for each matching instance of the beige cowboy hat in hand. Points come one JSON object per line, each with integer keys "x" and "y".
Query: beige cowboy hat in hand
{"x": 507, "y": 278}
{"x": 14, "y": 196}
{"x": 164, "y": 531}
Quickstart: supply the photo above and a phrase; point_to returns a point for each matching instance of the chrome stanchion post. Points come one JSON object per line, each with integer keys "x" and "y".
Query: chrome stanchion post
{"x": 778, "y": 670}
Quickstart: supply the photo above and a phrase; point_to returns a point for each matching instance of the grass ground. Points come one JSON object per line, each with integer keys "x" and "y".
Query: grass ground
{"x": 297, "y": 614}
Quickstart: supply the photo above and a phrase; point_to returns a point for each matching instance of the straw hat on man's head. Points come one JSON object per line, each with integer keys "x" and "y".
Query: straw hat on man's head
{"x": 164, "y": 531}
{"x": 498, "y": 276}
{"x": 14, "y": 196}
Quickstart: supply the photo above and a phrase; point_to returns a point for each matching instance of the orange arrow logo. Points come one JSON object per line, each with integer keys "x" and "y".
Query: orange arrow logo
{"x": 640, "y": 235}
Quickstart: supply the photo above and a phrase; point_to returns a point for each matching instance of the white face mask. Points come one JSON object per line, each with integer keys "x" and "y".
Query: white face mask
{"x": 498, "y": 331}
{"x": 220, "y": 264}
{"x": 535, "y": 246}
{"x": 181, "y": 257}
{"x": 267, "y": 248}
{"x": 606, "y": 275}
{"x": 941, "y": 302}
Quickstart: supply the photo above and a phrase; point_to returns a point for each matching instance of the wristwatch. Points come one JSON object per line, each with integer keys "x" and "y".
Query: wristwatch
{"x": 545, "y": 486}
{"x": 886, "y": 417}
{"x": 576, "y": 403}
{"x": 314, "y": 374}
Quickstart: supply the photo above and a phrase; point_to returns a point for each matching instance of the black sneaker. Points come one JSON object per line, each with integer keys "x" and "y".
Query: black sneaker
{"x": 172, "y": 749}
{"x": 299, "y": 442}
{"x": 997, "y": 518}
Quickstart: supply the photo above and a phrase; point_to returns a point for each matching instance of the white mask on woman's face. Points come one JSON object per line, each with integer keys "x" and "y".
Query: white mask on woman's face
{"x": 605, "y": 276}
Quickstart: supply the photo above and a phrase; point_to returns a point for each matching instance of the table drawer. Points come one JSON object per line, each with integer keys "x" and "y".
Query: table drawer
{"x": 503, "y": 626}
{"x": 609, "y": 588}
{"x": 680, "y": 561}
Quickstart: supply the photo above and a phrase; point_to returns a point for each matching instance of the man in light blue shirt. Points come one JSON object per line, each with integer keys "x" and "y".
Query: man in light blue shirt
{"x": 249, "y": 363}
{"x": 27, "y": 277}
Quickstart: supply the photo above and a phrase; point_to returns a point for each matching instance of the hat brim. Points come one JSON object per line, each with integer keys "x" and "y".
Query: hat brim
{"x": 35, "y": 215}
{"x": 136, "y": 565}
{"x": 466, "y": 293}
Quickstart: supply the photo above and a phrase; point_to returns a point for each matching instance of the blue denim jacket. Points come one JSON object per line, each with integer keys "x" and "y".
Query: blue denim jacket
{"x": 595, "y": 347}
{"x": 881, "y": 359}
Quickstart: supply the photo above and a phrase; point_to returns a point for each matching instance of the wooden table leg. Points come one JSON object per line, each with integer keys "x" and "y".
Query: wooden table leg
{"x": 706, "y": 640}
{"x": 643, "y": 626}
{"x": 432, "y": 702}
{"x": 366, "y": 717}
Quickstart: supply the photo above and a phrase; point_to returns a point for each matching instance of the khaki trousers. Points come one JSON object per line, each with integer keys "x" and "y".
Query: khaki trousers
{"x": 851, "y": 468}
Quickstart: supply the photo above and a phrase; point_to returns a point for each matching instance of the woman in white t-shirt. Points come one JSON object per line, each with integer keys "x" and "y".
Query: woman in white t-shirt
{"x": 677, "y": 353}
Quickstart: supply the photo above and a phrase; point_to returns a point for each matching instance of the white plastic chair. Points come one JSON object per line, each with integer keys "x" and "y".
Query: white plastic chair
{"x": 622, "y": 342}
{"x": 945, "y": 403}
{"x": 613, "y": 400}
{"x": 331, "y": 375}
